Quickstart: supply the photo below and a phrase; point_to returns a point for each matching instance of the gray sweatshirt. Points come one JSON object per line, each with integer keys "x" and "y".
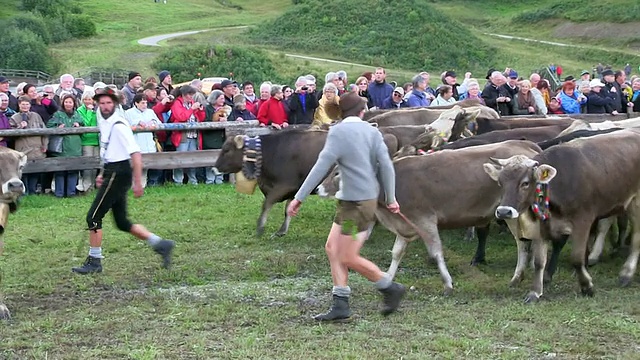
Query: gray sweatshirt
{"x": 358, "y": 149}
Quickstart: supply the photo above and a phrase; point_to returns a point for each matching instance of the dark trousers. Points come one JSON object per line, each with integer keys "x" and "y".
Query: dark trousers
{"x": 66, "y": 182}
{"x": 31, "y": 183}
{"x": 112, "y": 195}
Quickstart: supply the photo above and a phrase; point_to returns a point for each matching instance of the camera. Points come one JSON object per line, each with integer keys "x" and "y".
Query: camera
{"x": 305, "y": 88}
{"x": 171, "y": 97}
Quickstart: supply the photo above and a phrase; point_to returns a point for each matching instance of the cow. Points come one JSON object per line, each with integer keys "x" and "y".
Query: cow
{"x": 287, "y": 158}
{"x": 584, "y": 180}
{"x": 604, "y": 125}
{"x": 12, "y": 163}
{"x": 464, "y": 103}
{"x": 487, "y": 125}
{"x": 535, "y": 134}
{"x": 450, "y": 125}
{"x": 424, "y": 116}
{"x": 433, "y": 196}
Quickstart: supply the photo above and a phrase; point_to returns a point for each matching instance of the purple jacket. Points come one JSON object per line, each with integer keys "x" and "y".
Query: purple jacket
{"x": 4, "y": 124}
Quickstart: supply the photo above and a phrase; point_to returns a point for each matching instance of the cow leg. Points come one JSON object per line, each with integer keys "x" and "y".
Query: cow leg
{"x": 603, "y": 229}
{"x": 539, "y": 260}
{"x": 552, "y": 264}
{"x": 399, "y": 248}
{"x": 267, "y": 204}
{"x": 285, "y": 225}
{"x": 434, "y": 247}
{"x": 623, "y": 231}
{"x": 523, "y": 256}
{"x": 483, "y": 233}
{"x": 579, "y": 237}
{"x": 629, "y": 267}
{"x": 470, "y": 234}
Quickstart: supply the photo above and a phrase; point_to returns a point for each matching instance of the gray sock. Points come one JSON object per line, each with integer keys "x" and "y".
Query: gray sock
{"x": 384, "y": 282}
{"x": 153, "y": 239}
{"x": 95, "y": 252}
{"x": 342, "y": 291}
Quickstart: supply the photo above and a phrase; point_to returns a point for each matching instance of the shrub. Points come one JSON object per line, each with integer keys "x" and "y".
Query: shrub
{"x": 410, "y": 34}
{"x": 31, "y": 54}
{"x": 578, "y": 11}
{"x": 80, "y": 26}
{"x": 29, "y": 21}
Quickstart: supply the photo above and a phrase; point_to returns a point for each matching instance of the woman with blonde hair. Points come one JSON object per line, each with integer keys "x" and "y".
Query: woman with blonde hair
{"x": 524, "y": 103}
{"x": 90, "y": 141}
{"x": 328, "y": 109}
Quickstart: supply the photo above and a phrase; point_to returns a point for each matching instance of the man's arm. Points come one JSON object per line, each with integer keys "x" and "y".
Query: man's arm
{"x": 136, "y": 165}
{"x": 328, "y": 156}
{"x": 387, "y": 172}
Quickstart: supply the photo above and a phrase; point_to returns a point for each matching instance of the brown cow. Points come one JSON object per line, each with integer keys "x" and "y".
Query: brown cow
{"x": 588, "y": 179}
{"x": 11, "y": 162}
{"x": 433, "y": 196}
{"x": 464, "y": 103}
{"x": 423, "y": 116}
{"x": 287, "y": 158}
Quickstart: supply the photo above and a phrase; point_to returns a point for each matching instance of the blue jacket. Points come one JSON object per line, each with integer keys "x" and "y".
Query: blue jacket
{"x": 418, "y": 99}
{"x": 379, "y": 92}
{"x": 389, "y": 104}
{"x": 570, "y": 104}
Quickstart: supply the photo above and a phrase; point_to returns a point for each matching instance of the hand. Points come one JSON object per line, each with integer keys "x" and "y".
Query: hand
{"x": 196, "y": 105}
{"x": 276, "y": 126}
{"x": 75, "y": 124}
{"x": 222, "y": 118}
{"x": 43, "y": 149}
{"x": 138, "y": 190}
{"x": 23, "y": 124}
{"x": 614, "y": 112}
{"x": 166, "y": 100}
{"x": 239, "y": 119}
{"x": 262, "y": 125}
{"x": 61, "y": 125}
{"x": 294, "y": 207}
{"x": 630, "y": 104}
{"x": 467, "y": 75}
{"x": 500, "y": 99}
{"x": 90, "y": 107}
{"x": 99, "y": 181}
{"x": 394, "y": 207}
{"x": 284, "y": 125}
{"x": 507, "y": 99}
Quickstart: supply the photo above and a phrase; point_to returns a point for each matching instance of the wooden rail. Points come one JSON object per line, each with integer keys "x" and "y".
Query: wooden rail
{"x": 39, "y": 75}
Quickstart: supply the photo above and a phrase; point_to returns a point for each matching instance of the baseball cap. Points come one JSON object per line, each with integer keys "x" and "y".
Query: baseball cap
{"x": 3, "y": 80}
{"x": 228, "y": 82}
{"x": 399, "y": 90}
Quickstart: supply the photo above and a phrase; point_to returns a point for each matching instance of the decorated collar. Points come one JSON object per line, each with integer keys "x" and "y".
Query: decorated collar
{"x": 252, "y": 157}
{"x": 540, "y": 206}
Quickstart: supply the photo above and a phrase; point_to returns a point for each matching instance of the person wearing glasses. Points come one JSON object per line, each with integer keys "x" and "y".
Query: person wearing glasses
{"x": 396, "y": 100}
{"x": 363, "y": 90}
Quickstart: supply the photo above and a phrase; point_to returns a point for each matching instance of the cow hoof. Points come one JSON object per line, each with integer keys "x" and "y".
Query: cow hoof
{"x": 625, "y": 281}
{"x": 277, "y": 235}
{"x": 259, "y": 232}
{"x": 588, "y": 292}
{"x": 592, "y": 262}
{"x": 515, "y": 281}
{"x": 4, "y": 313}
{"x": 531, "y": 298}
{"x": 475, "y": 262}
{"x": 447, "y": 291}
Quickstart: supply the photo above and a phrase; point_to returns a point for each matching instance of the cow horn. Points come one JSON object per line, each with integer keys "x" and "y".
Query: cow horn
{"x": 530, "y": 163}
{"x": 501, "y": 162}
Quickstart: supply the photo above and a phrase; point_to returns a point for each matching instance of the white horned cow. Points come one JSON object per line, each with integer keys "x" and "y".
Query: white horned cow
{"x": 443, "y": 190}
{"x": 570, "y": 186}
{"x": 11, "y": 164}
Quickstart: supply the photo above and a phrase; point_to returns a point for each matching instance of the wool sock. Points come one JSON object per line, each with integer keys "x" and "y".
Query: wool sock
{"x": 95, "y": 252}
{"x": 153, "y": 239}
{"x": 342, "y": 291}
{"x": 384, "y": 282}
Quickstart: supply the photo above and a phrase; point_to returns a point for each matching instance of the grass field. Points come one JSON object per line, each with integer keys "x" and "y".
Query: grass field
{"x": 233, "y": 296}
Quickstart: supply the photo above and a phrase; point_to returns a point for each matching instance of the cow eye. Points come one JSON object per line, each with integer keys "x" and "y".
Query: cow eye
{"x": 525, "y": 184}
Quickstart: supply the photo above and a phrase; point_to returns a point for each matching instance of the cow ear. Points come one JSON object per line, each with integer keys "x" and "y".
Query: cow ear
{"x": 239, "y": 141}
{"x": 492, "y": 170}
{"x": 545, "y": 173}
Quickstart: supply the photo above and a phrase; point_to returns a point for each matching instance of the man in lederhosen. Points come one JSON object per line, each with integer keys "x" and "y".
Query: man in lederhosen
{"x": 120, "y": 153}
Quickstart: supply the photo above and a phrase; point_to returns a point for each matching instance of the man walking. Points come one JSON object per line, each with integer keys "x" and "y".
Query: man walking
{"x": 359, "y": 151}
{"x": 113, "y": 184}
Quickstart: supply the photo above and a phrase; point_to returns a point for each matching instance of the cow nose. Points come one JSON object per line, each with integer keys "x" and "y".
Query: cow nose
{"x": 504, "y": 212}
{"x": 16, "y": 186}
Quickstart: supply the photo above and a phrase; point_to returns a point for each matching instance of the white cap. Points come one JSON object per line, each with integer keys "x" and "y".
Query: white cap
{"x": 596, "y": 82}
{"x": 399, "y": 90}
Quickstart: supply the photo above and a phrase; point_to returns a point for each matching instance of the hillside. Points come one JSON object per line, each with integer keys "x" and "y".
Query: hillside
{"x": 409, "y": 34}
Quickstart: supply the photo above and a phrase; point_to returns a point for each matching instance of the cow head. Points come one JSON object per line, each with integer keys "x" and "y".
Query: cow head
{"x": 330, "y": 185}
{"x": 230, "y": 158}
{"x": 518, "y": 176}
{"x": 12, "y": 163}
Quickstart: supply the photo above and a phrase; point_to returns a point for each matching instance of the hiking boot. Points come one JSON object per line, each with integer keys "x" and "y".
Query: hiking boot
{"x": 391, "y": 298}
{"x": 165, "y": 248}
{"x": 339, "y": 310}
{"x": 90, "y": 266}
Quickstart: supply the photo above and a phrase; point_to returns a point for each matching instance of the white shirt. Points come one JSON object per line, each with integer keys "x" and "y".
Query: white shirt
{"x": 120, "y": 143}
{"x": 147, "y": 117}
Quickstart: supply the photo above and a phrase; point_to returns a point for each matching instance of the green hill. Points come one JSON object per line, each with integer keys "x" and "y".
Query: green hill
{"x": 407, "y": 34}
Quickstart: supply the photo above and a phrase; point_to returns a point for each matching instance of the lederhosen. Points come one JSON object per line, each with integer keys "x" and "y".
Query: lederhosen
{"x": 112, "y": 194}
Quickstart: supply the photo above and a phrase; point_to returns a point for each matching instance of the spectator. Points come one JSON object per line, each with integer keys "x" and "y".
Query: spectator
{"x": 363, "y": 90}
{"x": 543, "y": 87}
{"x": 230, "y": 89}
{"x": 216, "y": 110}
{"x": 34, "y": 146}
{"x": 597, "y": 103}
{"x": 199, "y": 96}
{"x": 272, "y": 112}
{"x": 635, "y": 96}
{"x": 90, "y": 141}
{"x": 379, "y": 89}
{"x": 78, "y": 89}
{"x": 418, "y": 97}
{"x": 65, "y": 87}
{"x": 185, "y": 110}
{"x": 4, "y": 88}
{"x": 301, "y": 104}
{"x": 473, "y": 91}
{"x": 571, "y": 100}
{"x": 150, "y": 94}
{"x": 265, "y": 93}
{"x": 131, "y": 87}
{"x": 4, "y": 119}
{"x": 445, "y": 96}
{"x": 251, "y": 98}
{"x": 141, "y": 116}
{"x": 491, "y": 93}
{"x": 539, "y": 98}
{"x": 165, "y": 81}
{"x": 555, "y": 106}
{"x": 612, "y": 89}
{"x": 4, "y": 105}
{"x": 508, "y": 91}
{"x": 524, "y": 102}
{"x": 67, "y": 117}
{"x": 328, "y": 109}
{"x": 396, "y": 100}
{"x": 240, "y": 111}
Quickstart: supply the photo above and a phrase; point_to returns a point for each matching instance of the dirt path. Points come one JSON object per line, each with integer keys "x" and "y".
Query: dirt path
{"x": 532, "y": 40}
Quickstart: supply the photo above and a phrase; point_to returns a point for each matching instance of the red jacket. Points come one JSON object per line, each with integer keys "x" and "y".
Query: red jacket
{"x": 160, "y": 109}
{"x": 180, "y": 114}
{"x": 252, "y": 106}
{"x": 272, "y": 112}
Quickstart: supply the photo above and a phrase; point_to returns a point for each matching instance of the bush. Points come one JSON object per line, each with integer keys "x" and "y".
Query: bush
{"x": 31, "y": 54}
{"x": 410, "y": 34}
{"x": 29, "y": 21}
{"x": 245, "y": 64}
{"x": 80, "y": 26}
{"x": 578, "y": 11}
{"x": 57, "y": 30}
